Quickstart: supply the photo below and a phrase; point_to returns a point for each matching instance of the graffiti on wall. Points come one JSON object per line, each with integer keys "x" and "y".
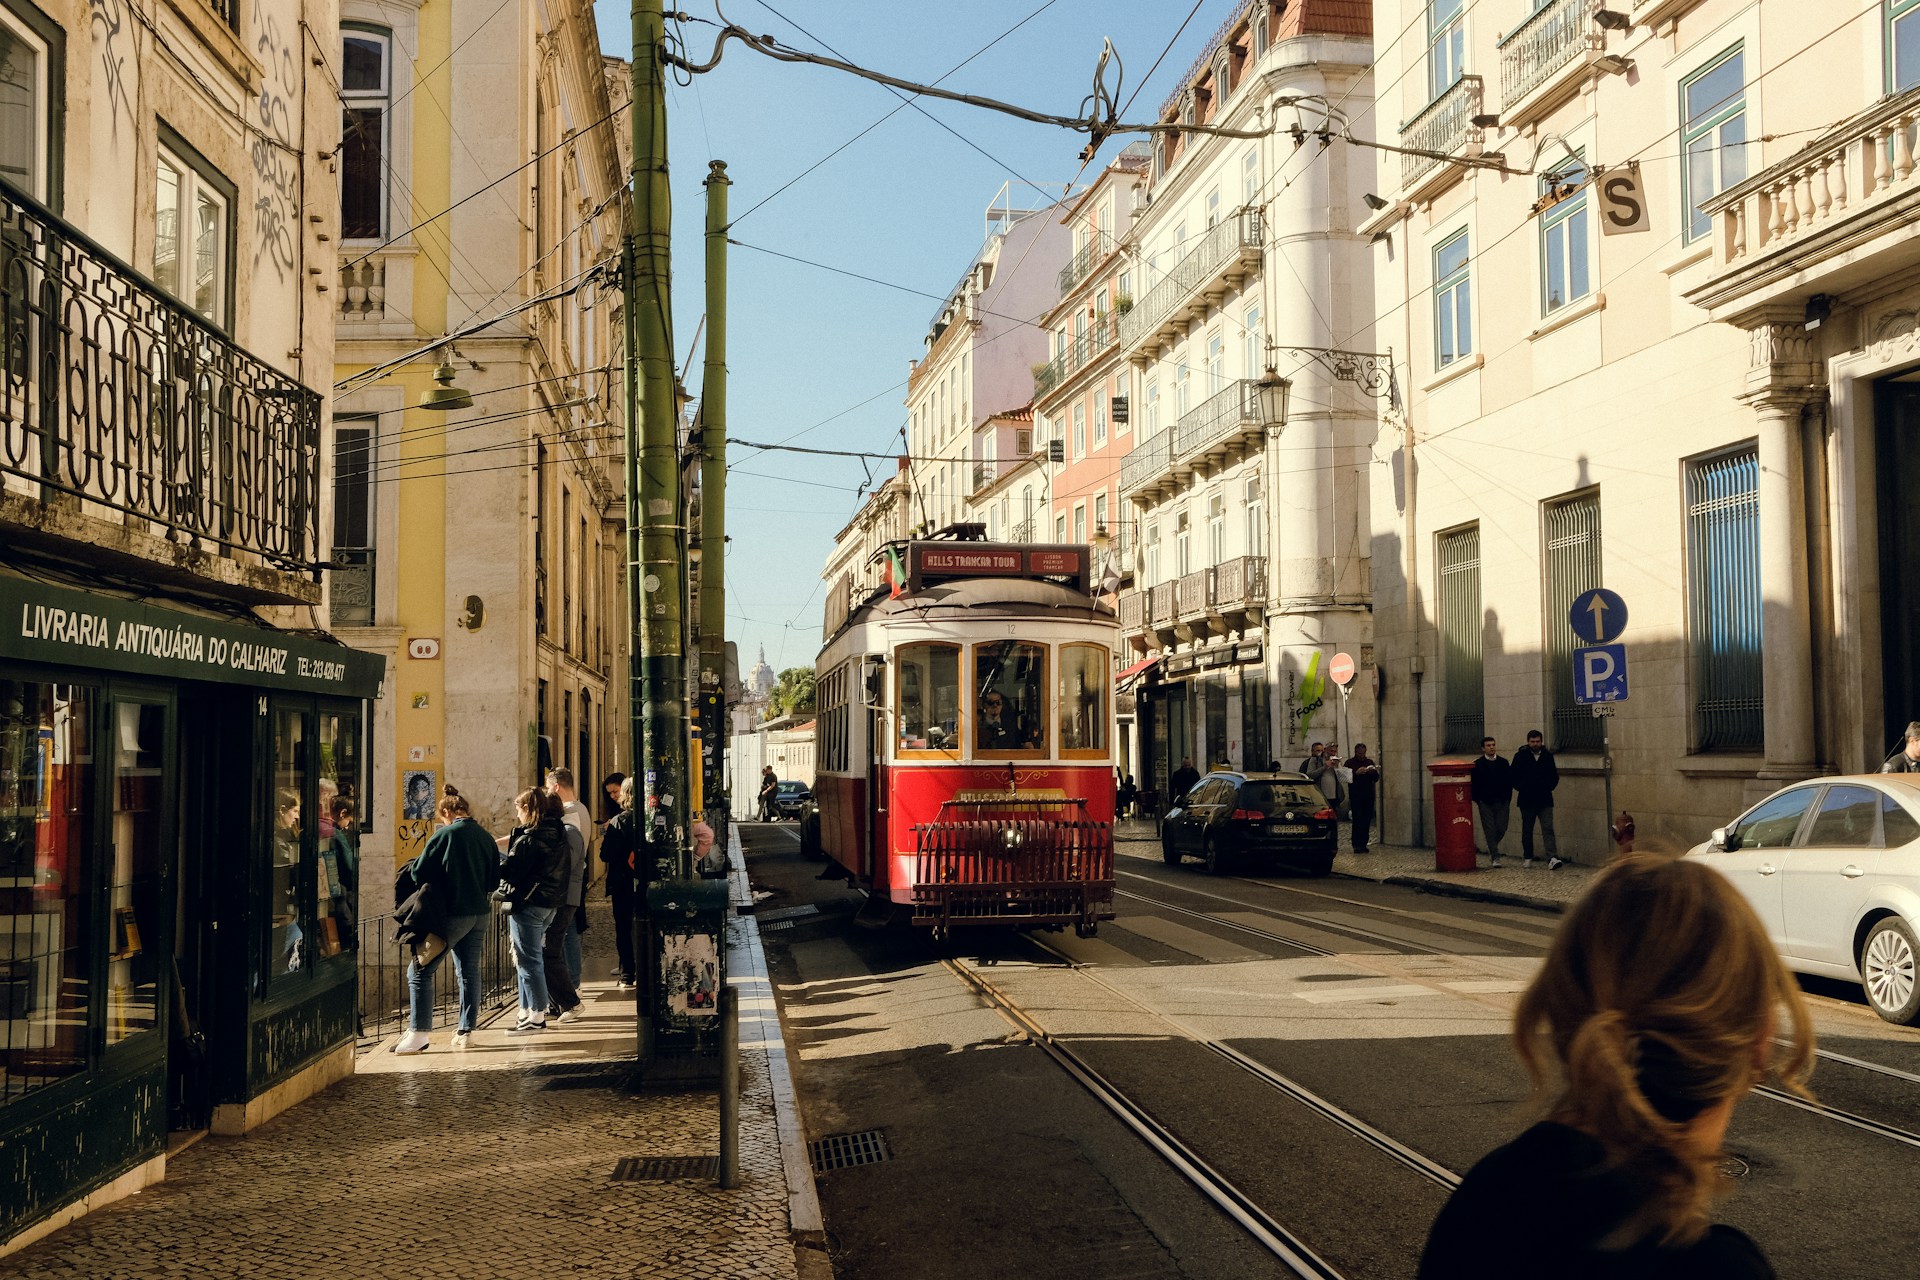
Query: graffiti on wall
{"x": 276, "y": 200}
{"x": 108, "y": 20}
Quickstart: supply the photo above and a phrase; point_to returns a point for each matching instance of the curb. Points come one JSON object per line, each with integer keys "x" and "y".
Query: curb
{"x": 1451, "y": 889}
{"x": 760, "y": 1029}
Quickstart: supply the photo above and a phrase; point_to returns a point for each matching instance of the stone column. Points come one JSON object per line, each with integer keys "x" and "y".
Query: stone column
{"x": 1780, "y": 383}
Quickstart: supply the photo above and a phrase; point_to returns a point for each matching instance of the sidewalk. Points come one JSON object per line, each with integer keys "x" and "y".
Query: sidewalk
{"x": 1514, "y": 884}
{"x": 495, "y": 1161}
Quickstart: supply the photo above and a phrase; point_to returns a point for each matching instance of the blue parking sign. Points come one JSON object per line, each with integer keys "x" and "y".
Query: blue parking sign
{"x": 1600, "y": 674}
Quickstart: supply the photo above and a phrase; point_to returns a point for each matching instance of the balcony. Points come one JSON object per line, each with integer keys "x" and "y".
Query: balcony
{"x": 1210, "y": 429}
{"x": 1190, "y": 595}
{"x": 1022, "y": 532}
{"x": 1444, "y": 127}
{"x": 1081, "y": 265}
{"x": 1836, "y": 214}
{"x": 1552, "y": 37}
{"x": 1228, "y": 251}
{"x": 1147, "y": 462}
{"x": 121, "y": 408}
{"x": 1081, "y": 350}
{"x": 1239, "y": 586}
{"x": 1160, "y": 612}
{"x": 1133, "y": 614}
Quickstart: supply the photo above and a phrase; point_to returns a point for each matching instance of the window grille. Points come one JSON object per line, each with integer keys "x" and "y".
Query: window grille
{"x": 1723, "y": 571}
{"x": 1464, "y": 714}
{"x": 1573, "y": 566}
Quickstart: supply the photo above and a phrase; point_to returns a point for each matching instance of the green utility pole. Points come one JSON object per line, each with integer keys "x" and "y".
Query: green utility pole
{"x": 679, "y": 1003}
{"x": 713, "y": 504}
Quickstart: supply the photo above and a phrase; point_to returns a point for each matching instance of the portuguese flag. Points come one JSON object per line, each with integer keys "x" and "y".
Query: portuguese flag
{"x": 896, "y": 570}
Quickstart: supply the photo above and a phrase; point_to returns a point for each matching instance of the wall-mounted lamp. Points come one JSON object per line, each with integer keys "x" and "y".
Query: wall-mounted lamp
{"x": 1486, "y": 120}
{"x": 1374, "y": 202}
{"x": 1613, "y": 64}
{"x": 1609, "y": 20}
{"x": 1819, "y": 307}
{"x": 1273, "y": 398}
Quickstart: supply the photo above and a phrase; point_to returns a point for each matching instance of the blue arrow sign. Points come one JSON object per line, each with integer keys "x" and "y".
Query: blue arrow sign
{"x": 1598, "y": 616}
{"x": 1600, "y": 674}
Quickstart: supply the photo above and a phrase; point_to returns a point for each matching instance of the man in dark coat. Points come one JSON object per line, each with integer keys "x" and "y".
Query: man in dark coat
{"x": 1907, "y": 758}
{"x": 1492, "y": 795}
{"x": 1534, "y": 777}
{"x": 1360, "y": 795}
{"x": 1184, "y": 779}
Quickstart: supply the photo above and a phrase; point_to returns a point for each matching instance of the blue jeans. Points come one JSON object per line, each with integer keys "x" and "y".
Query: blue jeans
{"x": 572, "y": 944}
{"x": 463, "y": 943}
{"x": 529, "y": 926}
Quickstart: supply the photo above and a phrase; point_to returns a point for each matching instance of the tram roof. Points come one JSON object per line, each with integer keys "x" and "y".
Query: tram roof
{"x": 1002, "y": 597}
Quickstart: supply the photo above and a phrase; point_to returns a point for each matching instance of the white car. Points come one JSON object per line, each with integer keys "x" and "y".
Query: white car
{"x": 1832, "y": 866}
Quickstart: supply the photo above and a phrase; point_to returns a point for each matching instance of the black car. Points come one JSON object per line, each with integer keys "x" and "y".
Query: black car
{"x": 1232, "y": 819}
{"x": 790, "y": 799}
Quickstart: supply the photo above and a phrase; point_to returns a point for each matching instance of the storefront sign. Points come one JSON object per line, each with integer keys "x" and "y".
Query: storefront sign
{"x": 1216, "y": 658}
{"x": 932, "y": 562}
{"x": 44, "y": 623}
{"x": 1180, "y": 665}
{"x": 1247, "y": 652}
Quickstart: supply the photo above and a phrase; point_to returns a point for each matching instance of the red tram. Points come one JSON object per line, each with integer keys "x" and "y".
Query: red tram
{"x": 964, "y": 739}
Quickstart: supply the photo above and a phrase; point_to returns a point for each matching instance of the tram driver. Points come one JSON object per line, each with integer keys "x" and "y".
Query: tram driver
{"x": 999, "y": 727}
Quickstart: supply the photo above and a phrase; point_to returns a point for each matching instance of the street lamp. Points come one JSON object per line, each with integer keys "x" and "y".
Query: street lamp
{"x": 1273, "y": 390}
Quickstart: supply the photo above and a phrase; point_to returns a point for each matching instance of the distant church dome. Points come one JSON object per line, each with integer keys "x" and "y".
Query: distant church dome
{"x": 761, "y": 681}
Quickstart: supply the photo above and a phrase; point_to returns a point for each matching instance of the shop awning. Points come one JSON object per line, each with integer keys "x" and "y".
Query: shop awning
{"x": 1134, "y": 672}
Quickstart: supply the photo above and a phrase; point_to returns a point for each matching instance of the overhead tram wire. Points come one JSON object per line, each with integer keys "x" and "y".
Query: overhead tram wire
{"x": 890, "y": 115}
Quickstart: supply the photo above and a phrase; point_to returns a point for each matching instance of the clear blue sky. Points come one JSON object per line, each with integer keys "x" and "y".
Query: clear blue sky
{"x": 821, "y": 359}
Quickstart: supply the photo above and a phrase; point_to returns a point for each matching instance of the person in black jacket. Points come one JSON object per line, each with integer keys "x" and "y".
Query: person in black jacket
{"x": 1184, "y": 779}
{"x": 1492, "y": 796}
{"x": 1662, "y": 1002}
{"x": 1535, "y": 775}
{"x": 619, "y": 845}
{"x": 533, "y": 884}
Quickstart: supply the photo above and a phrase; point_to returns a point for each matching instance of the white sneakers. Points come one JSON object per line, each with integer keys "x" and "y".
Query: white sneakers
{"x": 412, "y": 1042}
{"x": 528, "y": 1026}
{"x": 460, "y": 1039}
{"x": 571, "y": 1015}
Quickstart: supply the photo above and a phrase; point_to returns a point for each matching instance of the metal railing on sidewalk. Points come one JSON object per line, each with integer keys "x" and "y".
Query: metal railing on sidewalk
{"x": 383, "y": 979}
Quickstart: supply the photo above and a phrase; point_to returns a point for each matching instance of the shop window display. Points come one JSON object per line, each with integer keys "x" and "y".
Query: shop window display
{"x": 134, "y": 937}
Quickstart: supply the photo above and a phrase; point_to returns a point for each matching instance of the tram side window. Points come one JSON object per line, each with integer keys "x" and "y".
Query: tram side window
{"x": 929, "y": 697}
{"x": 1010, "y": 698}
{"x": 1085, "y": 672}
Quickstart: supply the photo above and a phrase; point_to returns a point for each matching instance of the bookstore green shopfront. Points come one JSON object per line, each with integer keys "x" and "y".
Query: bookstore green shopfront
{"x": 180, "y": 802}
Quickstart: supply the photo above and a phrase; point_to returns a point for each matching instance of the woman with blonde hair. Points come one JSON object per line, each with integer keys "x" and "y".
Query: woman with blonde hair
{"x": 1656, "y": 1010}
{"x": 461, "y": 865}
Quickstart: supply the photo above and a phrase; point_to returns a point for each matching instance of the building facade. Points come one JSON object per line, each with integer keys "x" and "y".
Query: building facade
{"x": 481, "y": 546}
{"x": 1649, "y": 271}
{"x": 182, "y": 749}
{"x": 1250, "y": 341}
{"x": 981, "y": 351}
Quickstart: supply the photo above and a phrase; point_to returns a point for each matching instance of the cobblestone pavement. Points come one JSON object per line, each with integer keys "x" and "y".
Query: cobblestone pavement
{"x": 1512, "y": 881}
{"x": 492, "y": 1161}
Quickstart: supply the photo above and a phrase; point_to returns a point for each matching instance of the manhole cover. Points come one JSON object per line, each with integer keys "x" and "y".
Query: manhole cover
{"x": 845, "y": 1150}
{"x": 665, "y": 1168}
{"x": 1734, "y": 1167}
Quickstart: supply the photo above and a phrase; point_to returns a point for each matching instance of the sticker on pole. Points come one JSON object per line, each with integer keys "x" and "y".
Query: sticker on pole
{"x": 1598, "y": 616}
{"x": 1340, "y": 670}
{"x": 1600, "y": 674}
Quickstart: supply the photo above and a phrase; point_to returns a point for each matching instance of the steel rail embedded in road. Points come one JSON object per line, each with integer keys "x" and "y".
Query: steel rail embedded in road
{"x": 1273, "y": 1237}
{"x": 1286, "y": 1085}
{"x": 1876, "y": 1067}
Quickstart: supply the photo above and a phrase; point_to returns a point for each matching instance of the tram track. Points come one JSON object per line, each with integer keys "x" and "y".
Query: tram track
{"x": 1838, "y": 1115}
{"x": 1289, "y": 1249}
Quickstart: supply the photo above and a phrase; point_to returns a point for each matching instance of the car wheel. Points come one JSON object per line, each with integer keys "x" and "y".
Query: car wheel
{"x": 1215, "y": 857}
{"x": 1168, "y": 854}
{"x": 1321, "y": 866}
{"x": 1887, "y": 971}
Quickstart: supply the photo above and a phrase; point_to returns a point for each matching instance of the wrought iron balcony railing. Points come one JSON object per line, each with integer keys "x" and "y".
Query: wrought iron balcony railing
{"x": 1444, "y": 127}
{"x": 1097, "y": 247}
{"x": 1023, "y": 532}
{"x": 1548, "y": 40}
{"x": 1239, "y": 584}
{"x": 114, "y": 393}
{"x": 1146, "y": 460}
{"x": 1133, "y": 611}
{"x": 350, "y": 594}
{"x": 1232, "y": 409}
{"x": 1236, "y": 238}
{"x": 1080, "y": 350}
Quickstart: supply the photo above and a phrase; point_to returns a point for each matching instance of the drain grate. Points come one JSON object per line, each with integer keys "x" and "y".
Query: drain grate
{"x": 845, "y": 1150}
{"x": 787, "y": 913}
{"x": 665, "y": 1168}
{"x": 777, "y": 924}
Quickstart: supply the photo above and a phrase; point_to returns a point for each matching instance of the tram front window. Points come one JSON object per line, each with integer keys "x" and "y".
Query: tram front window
{"x": 1010, "y": 700}
{"x": 929, "y": 693}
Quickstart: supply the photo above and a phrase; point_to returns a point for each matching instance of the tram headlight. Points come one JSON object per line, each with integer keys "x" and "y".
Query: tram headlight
{"x": 1013, "y": 837}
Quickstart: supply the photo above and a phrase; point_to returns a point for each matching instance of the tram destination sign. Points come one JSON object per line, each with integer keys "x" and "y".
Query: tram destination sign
{"x": 933, "y": 562}
{"x": 40, "y": 622}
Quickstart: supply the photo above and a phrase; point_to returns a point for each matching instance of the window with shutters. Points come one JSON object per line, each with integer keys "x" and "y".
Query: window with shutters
{"x": 1464, "y": 717}
{"x": 1723, "y": 589}
{"x": 1573, "y": 567}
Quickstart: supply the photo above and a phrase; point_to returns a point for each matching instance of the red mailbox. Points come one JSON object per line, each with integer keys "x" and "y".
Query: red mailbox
{"x": 1453, "y": 815}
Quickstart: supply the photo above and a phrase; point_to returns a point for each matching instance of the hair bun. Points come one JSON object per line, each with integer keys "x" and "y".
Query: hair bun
{"x": 448, "y": 790}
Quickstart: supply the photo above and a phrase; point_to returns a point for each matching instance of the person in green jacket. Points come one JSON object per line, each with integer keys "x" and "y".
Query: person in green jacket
{"x": 462, "y": 864}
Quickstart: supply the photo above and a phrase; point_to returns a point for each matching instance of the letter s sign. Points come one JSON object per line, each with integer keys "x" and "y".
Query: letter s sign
{"x": 1623, "y": 202}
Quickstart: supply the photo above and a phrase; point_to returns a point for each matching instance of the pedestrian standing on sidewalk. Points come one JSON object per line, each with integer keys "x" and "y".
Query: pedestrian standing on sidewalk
{"x": 1492, "y": 796}
{"x": 610, "y": 797}
{"x": 1333, "y": 784}
{"x": 1661, "y": 1003}
{"x": 560, "y": 783}
{"x": 1315, "y": 761}
{"x": 769, "y": 791}
{"x": 563, "y": 990}
{"x": 1184, "y": 779}
{"x": 619, "y": 842}
{"x": 1360, "y": 795}
{"x": 461, "y": 864}
{"x": 1535, "y": 775}
{"x": 533, "y": 885}
{"x": 1906, "y": 758}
